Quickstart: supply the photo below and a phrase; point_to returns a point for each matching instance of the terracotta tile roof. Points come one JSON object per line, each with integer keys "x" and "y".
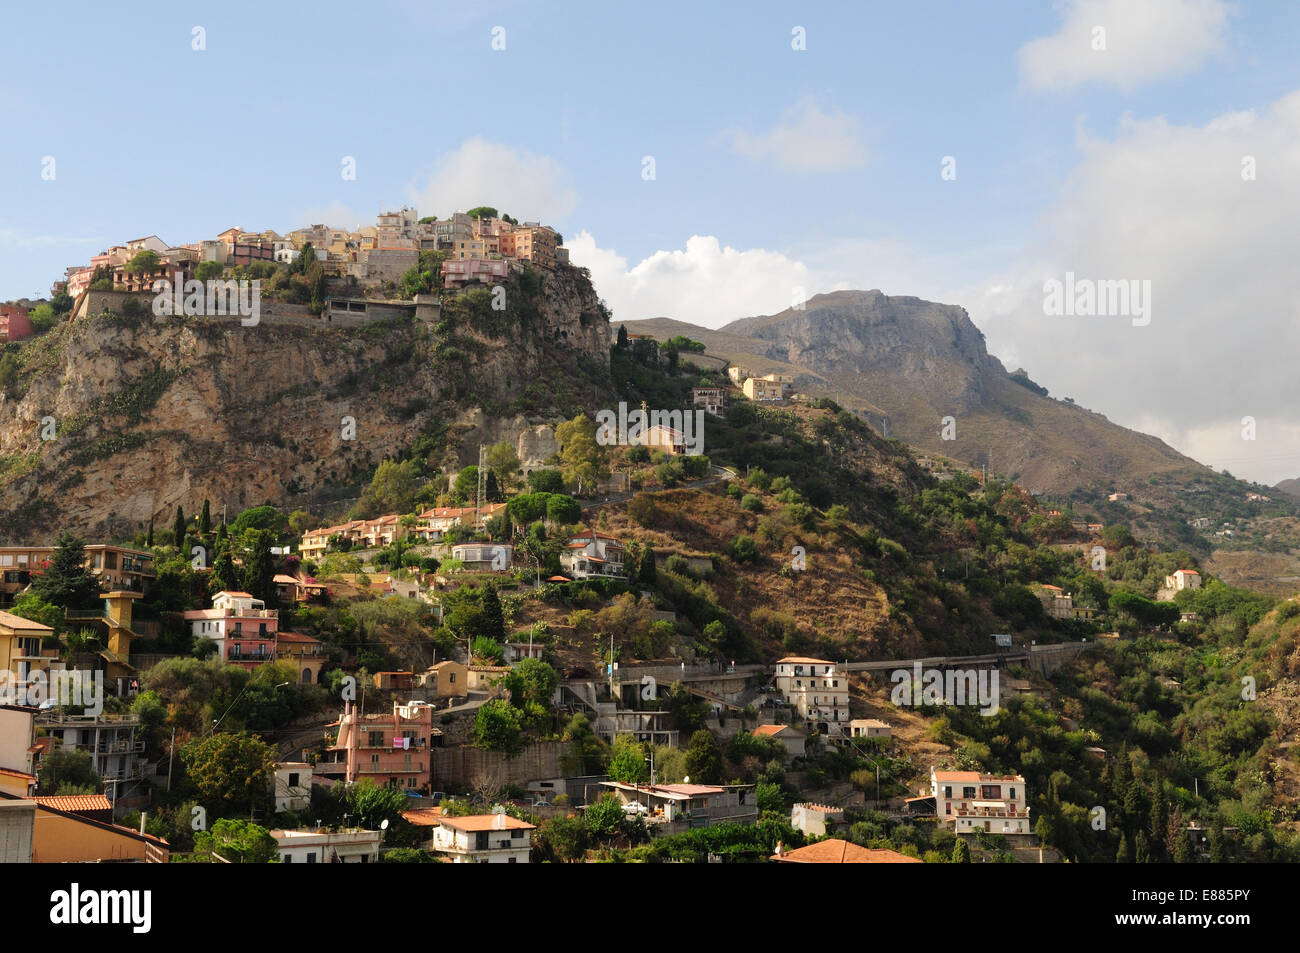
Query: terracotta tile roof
{"x": 770, "y": 731}
{"x": 799, "y": 660}
{"x": 295, "y": 637}
{"x": 836, "y": 851}
{"x": 424, "y": 816}
{"x": 76, "y": 803}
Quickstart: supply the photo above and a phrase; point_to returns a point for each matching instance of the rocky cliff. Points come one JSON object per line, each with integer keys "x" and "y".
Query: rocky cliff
{"x": 115, "y": 418}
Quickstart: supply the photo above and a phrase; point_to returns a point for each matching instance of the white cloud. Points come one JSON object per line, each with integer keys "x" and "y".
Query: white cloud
{"x": 1144, "y": 40}
{"x": 806, "y": 140}
{"x": 1169, "y": 204}
{"x": 706, "y": 283}
{"x": 526, "y": 185}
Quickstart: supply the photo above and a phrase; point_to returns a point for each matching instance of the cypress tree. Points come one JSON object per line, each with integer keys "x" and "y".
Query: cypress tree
{"x": 645, "y": 571}
{"x": 148, "y": 539}
{"x": 494, "y": 620}
{"x": 178, "y": 528}
{"x": 205, "y": 521}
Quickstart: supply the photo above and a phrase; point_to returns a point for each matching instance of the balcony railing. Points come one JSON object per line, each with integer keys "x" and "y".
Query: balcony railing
{"x": 411, "y": 768}
{"x": 988, "y": 812}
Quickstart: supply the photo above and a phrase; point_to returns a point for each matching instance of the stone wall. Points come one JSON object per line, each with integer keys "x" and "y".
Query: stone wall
{"x": 465, "y": 765}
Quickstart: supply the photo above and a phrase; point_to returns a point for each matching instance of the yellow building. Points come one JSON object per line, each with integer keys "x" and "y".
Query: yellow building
{"x": 20, "y": 644}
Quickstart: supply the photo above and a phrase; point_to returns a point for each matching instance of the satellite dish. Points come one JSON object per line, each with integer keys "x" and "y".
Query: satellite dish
{"x": 383, "y": 825}
{"x": 686, "y": 780}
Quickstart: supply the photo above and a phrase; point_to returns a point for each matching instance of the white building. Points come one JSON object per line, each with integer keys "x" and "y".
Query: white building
{"x": 1183, "y": 579}
{"x": 817, "y": 691}
{"x": 484, "y": 839}
{"x": 968, "y": 801}
{"x": 870, "y": 728}
{"x": 593, "y": 554}
{"x": 291, "y": 785}
{"x": 812, "y": 818}
{"x": 328, "y": 847}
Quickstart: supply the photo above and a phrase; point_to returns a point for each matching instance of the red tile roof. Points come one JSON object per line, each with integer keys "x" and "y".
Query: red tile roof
{"x": 836, "y": 851}
{"x": 76, "y": 803}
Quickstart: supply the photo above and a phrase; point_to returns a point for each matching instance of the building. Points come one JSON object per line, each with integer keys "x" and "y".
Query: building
{"x": 484, "y": 557}
{"x": 387, "y": 747}
{"x": 712, "y": 399}
{"x": 487, "y": 678}
{"x": 1059, "y": 604}
{"x": 791, "y": 737}
{"x": 115, "y": 744}
{"x": 432, "y": 525}
{"x": 14, "y": 322}
{"x": 667, "y": 440}
{"x": 689, "y": 805}
{"x": 1117, "y": 497}
{"x": 756, "y": 388}
{"x": 291, "y": 786}
{"x": 118, "y": 568}
{"x": 60, "y": 836}
{"x": 447, "y": 680}
{"x": 484, "y": 839}
{"x": 593, "y": 554}
{"x": 20, "y": 645}
{"x": 817, "y": 691}
{"x": 737, "y": 374}
{"x": 459, "y": 272}
{"x": 968, "y": 801}
{"x": 19, "y": 753}
{"x": 813, "y": 818}
{"x": 353, "y": 846}
{"x": 359, "y": 534}
{"x": 535, "y": 243}
{"x": 1183, "y": 579}
{"x": 17, "y": 828}
{"x": 870, "y": 728}
{"x": 307, "y": 654}
{"x": 836, "y": 851}
{"x": 516, "y": 652}
{"x": 243, "y": 628}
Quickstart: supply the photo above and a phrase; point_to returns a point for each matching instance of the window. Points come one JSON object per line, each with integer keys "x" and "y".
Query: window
{"x": 311, "y": 857}
{"x": 968, "y": 791}
{"x": 287, "y": 859}
{"x": 293, "y": 780}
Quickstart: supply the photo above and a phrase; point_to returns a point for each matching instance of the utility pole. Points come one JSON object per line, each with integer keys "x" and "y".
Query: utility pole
{"x": 171, "y": 756}
{"x": 482, "y": 488}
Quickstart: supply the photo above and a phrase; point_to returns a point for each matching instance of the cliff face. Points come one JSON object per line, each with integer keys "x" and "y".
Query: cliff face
{"x": 113, "y": 420}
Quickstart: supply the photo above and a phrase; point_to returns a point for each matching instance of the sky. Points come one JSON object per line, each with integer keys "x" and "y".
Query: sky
{"x": 711, "y": 161}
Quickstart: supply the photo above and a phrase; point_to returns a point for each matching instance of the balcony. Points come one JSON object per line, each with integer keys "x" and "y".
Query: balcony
{"x": 412, "y": 768}
{"x": 258, "y": 657}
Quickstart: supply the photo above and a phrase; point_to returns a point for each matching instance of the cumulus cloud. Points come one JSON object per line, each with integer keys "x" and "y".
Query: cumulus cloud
{"x": 705, "y": 283}
{"x": 1207, "y": 214}
{"x": 806, "y": 139}
{"x": 524, "y": 184}
{"x": 1123, "y": 43}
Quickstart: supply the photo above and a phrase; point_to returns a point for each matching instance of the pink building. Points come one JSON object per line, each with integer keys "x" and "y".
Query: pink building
{"x": 243, "y": 628}
{"x": 457, "y": 272}
{"x": 14, "y": 322}
{"x": 388, "y": 748}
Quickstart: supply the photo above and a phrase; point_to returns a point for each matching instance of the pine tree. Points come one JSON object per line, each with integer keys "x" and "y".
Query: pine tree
{"x": 66, "y": 581}
{"x": 1218, "y": 849}
{"x": 225, "y": 577}
{"x": 1183, "y": 852}
{"x": 1122, "y": 854}
{"x": 205, "y": 521}
{"x": 222, "y": 533}
{"x": 178, "y": 528}
{"x": 1159, "y": 818}
{"x": 961, "y": 852}
{"x": 494, "y": 621}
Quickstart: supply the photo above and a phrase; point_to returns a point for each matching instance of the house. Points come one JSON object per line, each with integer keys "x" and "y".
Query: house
{"x": 306, "y": 653}
{"x": 484, "y": 557}
{"x": 353, "y": 846}
{"x": 17, "y": 827}
{"x": 447, "y": 679}
{"x": 536, "y": 243}
{"x": 243, "y": 628}
{"x": 737, "y": 374}
{"x": 61, "y": 836}
{"x": 1117, "y": 497}
{"x": 394, "y": 681}
{"x": 19, "y": 753}
{"x": 836, "y": 851}
{"x": 387, "y": 747}
{"x": 1059, "y": 604}
{"x": 792, "y": 738}
{"x": 291, "y": 786}
{"x": 289, "y": 589}
{"x": 115, "y": 744}
{"x": 516, "y": 652}
{"x": 968, "y": 801}
{"x": 14, "y": 322}
{"x": 432, "y": 525}
{"x": 817, "y": 691}
{"x": 812, "y": 818}
{"x": 118, "y": 567}
{"x": 20, "y": 645}
{"x": 484, "y": 839}
{"x": 694, "y": 805}
{"x": 1183, "y": 579}
{"x": 870, "y": 728}
{"x": 668, "y": 440}
{"x": 593, "y": 554}
{"x": 459, "y": 272}
{"x": 712, "y": 399}
{"x": 486, "y": 678}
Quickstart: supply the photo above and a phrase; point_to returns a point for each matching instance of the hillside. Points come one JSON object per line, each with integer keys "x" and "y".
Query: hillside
{"x": 905, "y": 364}
{"x": 148, "y": 412}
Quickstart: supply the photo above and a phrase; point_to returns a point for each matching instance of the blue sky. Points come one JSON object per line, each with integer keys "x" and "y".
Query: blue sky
{"x": 774, "y": 168}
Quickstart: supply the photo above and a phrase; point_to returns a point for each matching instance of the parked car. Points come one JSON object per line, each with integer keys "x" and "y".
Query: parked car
{"x": 635, "y": 807}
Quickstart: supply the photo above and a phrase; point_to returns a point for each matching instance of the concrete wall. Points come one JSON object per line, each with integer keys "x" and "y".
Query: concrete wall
{"x": 464, "y": 765}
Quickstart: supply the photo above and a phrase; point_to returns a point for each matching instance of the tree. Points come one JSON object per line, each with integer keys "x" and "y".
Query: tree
{"x": 546, "y": 481}
{"x": 260, "y": 517}
{"x": 143, "y": 262}
{"x": 504, "y": 461}
{"x": 627, "y": 761}
{"x": 392, "y": 490}
{"x": 240, "y": 841}
{"x": 372, "y": 804}
{"x": 704, "y": 758}
{"x": 466, "y": 488}
{"x": 621, "y": 341}
{"x": 68, "y": 770}
{"x": 258, "y": 575}
{"x": 563, "y": 839}
{"x": 66, "y": 582}
{"x": 178, "y": 528}
{"x": 148, "y": 539}
{"x": 33, "y": 608}
{"x": 494, "y": 621}
{"x": 605, "y": 817}
{"x": 482, "y": 211}
{"x": 645, "y": 569}
{"x": 205, "y": 521}
{"x": 225, "y": 577}
{"x": 208, "y": 270}
{"x": 582, "y": 459}
{"x": 532, "y": 681}
{"x": 960, "y": 852}
{"x": 498, "y": 726}
{"x": 491, "y": 489}
{"x": 232, "y": 770}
